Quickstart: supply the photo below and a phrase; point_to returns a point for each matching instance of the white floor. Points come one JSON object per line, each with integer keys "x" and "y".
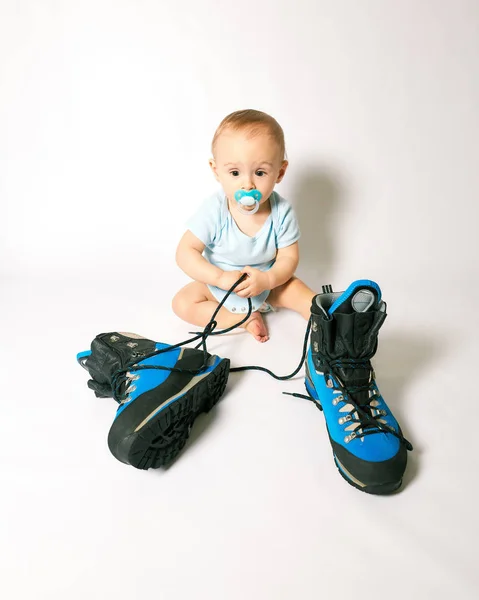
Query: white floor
{"x": 254, "y": 507}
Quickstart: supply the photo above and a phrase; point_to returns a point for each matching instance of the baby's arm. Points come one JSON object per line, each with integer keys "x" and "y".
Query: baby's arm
{"x": 286, "y": 263}
{"x": 190, "y": 259}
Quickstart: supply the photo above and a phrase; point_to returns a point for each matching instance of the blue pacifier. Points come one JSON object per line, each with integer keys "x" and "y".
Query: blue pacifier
{"x": 250, "y": 198}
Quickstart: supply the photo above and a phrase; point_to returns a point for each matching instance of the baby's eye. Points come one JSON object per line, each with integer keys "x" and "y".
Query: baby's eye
{"x": 235, "y": 173}
{"x": 260, "y": 173}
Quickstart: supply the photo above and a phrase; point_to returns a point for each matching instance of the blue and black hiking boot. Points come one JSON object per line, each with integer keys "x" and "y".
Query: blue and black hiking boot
{"x": 161, "y": 390}
{"x": 368, "y": 446}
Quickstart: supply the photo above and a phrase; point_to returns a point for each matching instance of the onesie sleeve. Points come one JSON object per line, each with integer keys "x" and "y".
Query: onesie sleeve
{"x": 288, "y": 227}
{"x": 204, "y": 223}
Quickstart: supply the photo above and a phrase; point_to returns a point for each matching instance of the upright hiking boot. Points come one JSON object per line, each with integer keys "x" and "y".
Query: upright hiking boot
{"x": 368, "y": 446}
{"x": 161, "y": 389}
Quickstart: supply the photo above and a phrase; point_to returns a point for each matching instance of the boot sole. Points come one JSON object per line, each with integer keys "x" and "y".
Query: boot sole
{"x": 147, "y": 448}
{"x": 380, "y": 490}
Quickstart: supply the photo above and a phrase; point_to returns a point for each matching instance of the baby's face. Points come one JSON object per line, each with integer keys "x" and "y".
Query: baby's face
{"x": 244, "y": 162}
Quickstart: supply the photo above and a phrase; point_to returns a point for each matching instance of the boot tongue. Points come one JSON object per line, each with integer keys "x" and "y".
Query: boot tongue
{"x": 111, "y": 352}
{"x": 355, "y": 312}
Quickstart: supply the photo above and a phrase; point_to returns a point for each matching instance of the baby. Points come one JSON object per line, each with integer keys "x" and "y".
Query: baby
{"x": 246, "y": 227}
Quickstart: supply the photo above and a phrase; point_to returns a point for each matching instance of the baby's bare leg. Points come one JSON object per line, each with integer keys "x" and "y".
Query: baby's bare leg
{"x": 195, "y": 304}
{"x": 293, "y": 294}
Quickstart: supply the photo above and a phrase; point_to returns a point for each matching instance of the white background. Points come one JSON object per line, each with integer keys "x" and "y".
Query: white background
{"x": 107, "y": 110}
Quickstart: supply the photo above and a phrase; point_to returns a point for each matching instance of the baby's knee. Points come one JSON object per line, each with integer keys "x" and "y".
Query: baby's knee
{"x": 180, "y": 304}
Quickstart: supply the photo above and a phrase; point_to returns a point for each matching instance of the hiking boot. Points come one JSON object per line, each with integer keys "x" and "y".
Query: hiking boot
{"x": 368, "y": 446}
{"x": 161, "y": 389}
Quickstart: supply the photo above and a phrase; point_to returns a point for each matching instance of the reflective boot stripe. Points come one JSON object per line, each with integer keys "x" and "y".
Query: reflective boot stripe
{"x": 165, "y": 403}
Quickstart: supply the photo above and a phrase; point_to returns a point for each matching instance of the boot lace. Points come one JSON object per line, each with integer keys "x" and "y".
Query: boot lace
{"x": 361, "y": 419}
{"x": 366, "y": 419}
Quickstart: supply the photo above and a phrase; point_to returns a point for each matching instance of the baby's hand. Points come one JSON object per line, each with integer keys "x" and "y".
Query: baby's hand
{"x": 256, "y": 283}
{"x": 228, "y": 279}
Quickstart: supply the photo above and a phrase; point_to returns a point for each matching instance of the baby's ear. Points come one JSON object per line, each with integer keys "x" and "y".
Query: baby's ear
{"x": 213, "y": 168}
{"x": 282, "y": 171}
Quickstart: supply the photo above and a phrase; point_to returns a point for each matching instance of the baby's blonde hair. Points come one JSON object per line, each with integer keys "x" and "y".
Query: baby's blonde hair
{"x": 255, "y": 122}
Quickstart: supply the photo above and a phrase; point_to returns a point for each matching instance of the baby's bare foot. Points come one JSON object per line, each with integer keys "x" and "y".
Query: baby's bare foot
{"x": 257, "y": 327}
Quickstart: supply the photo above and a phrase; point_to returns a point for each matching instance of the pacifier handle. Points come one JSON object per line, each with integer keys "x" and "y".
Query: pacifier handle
{"x": 244, "y": 198}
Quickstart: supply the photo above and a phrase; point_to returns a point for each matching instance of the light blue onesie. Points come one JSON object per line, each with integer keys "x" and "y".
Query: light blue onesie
{"x": 228, "y": 248}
